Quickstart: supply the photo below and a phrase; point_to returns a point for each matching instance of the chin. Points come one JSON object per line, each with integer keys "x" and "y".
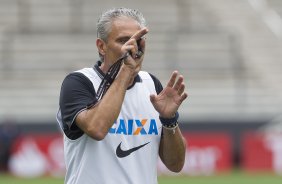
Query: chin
{"x": 136, "y": 73}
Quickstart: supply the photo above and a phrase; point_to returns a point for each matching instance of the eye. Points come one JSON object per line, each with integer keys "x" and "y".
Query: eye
{"x": 122, "y": 40}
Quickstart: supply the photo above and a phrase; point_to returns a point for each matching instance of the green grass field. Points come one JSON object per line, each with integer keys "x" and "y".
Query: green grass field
{"x": 234, "y": 178}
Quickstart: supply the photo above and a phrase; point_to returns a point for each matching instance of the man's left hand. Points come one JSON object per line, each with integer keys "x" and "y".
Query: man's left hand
{"x": 168, "y": 101}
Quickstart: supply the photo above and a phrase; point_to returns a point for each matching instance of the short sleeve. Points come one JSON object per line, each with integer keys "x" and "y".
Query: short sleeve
{"x": 157, "y": 83}
{"x": 77, "y": 94}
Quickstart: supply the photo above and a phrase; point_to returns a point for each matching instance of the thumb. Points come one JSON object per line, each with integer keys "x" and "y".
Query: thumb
{"x": 153, "y": 98}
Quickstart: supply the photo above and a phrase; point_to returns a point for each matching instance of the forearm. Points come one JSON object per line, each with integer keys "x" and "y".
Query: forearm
{"x": 97, "y": 121}
{"x": 110, "y": 105}
{"x": 172, "y": 149}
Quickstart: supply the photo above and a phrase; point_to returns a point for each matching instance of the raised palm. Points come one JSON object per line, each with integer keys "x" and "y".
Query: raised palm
{"x": 168, "y": 101}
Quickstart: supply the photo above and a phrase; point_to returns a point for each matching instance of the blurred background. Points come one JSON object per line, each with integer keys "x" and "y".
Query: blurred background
{"x": 228, "y": 51}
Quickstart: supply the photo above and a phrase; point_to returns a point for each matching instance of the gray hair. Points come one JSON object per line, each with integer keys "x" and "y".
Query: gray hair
{"x": 105, "y": 20}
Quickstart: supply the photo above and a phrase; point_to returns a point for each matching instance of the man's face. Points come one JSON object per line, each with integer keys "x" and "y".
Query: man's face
{"x": 121, "y": 31}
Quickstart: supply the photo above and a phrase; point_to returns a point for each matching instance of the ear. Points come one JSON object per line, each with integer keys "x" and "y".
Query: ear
{"x": 101, "y": 45}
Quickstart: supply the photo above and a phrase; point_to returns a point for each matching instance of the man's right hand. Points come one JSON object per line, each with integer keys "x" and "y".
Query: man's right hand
{"x": 131, "y": 46}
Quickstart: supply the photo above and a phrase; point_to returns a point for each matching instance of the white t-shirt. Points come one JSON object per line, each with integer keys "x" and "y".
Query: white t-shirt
{"x": 129, "y": 152}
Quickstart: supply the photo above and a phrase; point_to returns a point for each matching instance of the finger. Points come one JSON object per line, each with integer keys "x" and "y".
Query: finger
{"x": 128, "y": 48}
{"x": 152, "y": 98}
{"x": 139, "y": 34}
{"x": 134, "y": 48}
{"x": 172, "y": 79}
{"x": 183, "y": 97}
{"x": 143, "y": 44}
{"x": 140, "y": 42}
{"x": 128, "y": 61}
{"x": 178, "y": 82}
{"x": 181, "y": 88}
{"x": 127, "y": 56}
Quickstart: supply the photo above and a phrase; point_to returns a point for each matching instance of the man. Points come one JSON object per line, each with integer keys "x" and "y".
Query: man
{"x": 115, "y": 127}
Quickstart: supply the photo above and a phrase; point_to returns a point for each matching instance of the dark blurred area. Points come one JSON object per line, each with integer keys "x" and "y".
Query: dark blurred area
{"x": 8, "y": 132}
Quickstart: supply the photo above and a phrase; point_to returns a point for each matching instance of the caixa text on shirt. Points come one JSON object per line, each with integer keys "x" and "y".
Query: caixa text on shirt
{"x": 135, "y": 127}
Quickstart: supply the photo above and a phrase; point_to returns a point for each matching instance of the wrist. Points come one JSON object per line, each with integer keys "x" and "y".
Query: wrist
{"x": 170, "y": 122}
{"x": 167, "y": 116}
{"x": 172, "y": 128}
{"x": 125, "y": 75}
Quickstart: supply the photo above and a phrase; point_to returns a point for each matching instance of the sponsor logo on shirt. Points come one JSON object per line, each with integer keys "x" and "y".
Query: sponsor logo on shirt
{"x": 135, "y": 127}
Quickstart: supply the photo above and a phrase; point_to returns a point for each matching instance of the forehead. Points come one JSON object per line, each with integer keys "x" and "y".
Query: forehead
{"x": 123, "y": 27}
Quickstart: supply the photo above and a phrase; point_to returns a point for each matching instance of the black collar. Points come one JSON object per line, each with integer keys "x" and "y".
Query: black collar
{"x": 101, "y": 74}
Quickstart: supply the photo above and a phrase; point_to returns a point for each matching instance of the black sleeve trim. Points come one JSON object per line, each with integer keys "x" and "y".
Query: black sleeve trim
{"x": 158, "y": 85}
{"x": 77, "y": 94}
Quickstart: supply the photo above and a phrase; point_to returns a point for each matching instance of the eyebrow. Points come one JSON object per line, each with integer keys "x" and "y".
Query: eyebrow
{"x": 123, "y": 38}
